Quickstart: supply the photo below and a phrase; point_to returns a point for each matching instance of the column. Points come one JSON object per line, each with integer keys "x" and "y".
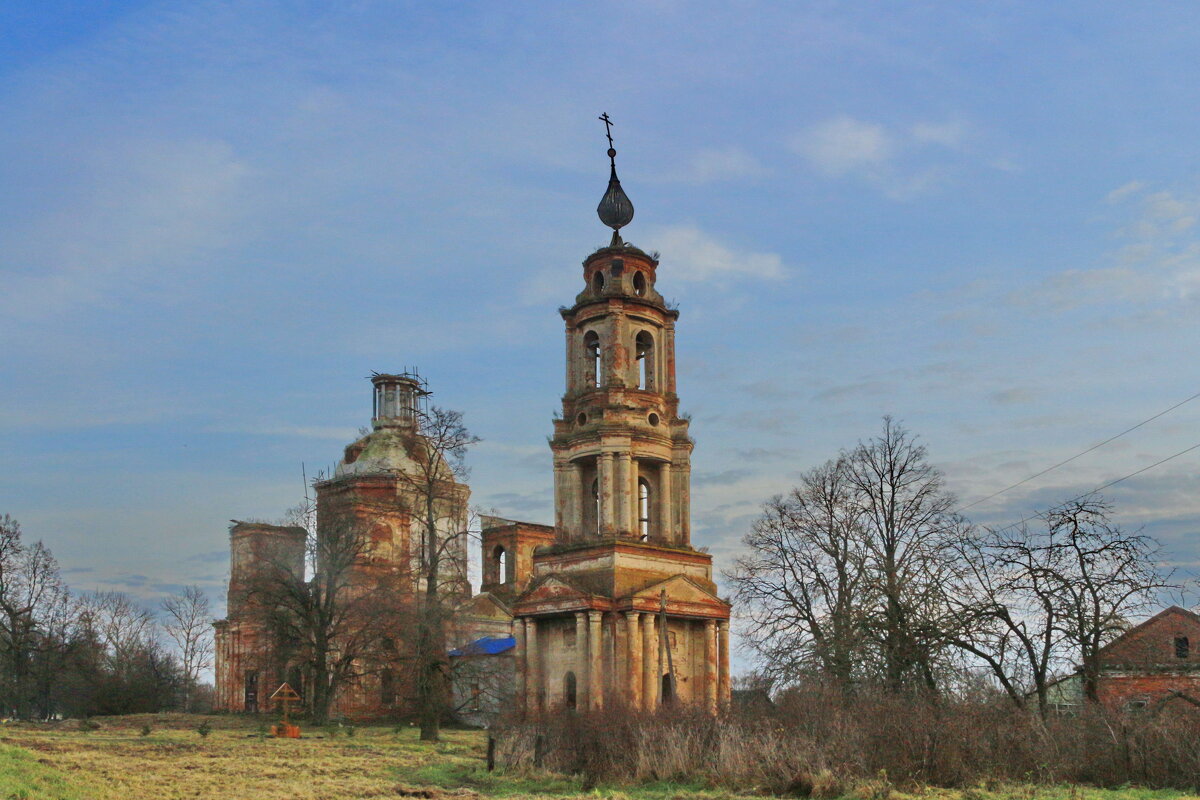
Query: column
{"x": 651, "y": 671}
{"x": 582, "y": 683}
{"x": 560, "y": 494}
{"x": 533, "y": 670}
{"x": 521, "y": 654}
{"x": 723, "y": 693}
{"x": 595, "y": 660}
{"x": 635, "y": 507}
{"x": 669, "y": 359}
{"x": 633, "y": 675}
{"x": 683, "y": 534}
{"x": 605, "y": 463}
{"x": 570, "y": 363}
{"x": 573, "y": 508}
{"x": 710, "y": 665}
{"x": 624, "y": 499}
{"x": 665, "y": 532}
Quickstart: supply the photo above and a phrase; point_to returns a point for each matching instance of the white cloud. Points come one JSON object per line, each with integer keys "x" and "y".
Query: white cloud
{"x": 947, "y": 134}
{"x": 1122, "y": 192}
{"x": 901, "y": 162}
{"x": 843, "y": 145}
{"x": 720, "y": 164}
{"x": 694, "y": 255}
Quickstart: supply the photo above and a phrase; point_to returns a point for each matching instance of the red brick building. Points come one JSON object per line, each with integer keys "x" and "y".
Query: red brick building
{"x": 377, "y": 492}
{"x": 1154, "y": 663}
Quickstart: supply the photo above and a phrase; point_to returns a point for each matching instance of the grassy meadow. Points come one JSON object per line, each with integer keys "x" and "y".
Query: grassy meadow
{"x": 235, "y": 762}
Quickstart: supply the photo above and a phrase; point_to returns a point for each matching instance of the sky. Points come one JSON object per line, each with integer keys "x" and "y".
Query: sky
{"x": 219, "y": 218}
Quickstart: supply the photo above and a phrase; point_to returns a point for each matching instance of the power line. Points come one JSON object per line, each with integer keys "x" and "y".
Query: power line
{"x": 1101, "y": 488}
{"x": 1084, "y": 453}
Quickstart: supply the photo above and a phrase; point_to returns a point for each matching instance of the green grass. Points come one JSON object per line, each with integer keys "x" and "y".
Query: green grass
{"x": 23, "y": 776}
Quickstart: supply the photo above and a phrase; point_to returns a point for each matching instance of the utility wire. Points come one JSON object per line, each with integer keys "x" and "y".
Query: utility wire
{"x": 1085, "y": 452}
{"x": 1105, "y": 486}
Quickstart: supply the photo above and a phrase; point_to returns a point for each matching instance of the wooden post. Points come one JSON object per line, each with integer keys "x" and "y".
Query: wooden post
{"x": 491, "y": 753}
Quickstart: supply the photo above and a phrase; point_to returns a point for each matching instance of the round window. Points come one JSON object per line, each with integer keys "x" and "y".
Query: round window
{"x": 581, "y": 419}
{"x": 653, "y": 419}
{"x": 639, "y": 284}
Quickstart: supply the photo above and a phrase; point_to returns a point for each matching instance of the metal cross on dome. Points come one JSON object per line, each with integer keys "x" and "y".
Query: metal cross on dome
{"x": 608, "y": 123}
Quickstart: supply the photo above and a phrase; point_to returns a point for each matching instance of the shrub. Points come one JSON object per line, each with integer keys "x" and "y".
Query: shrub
{"x": 204, "y": 729}
{"x": 823, "y": 744}
{"x": 145, "y": 730}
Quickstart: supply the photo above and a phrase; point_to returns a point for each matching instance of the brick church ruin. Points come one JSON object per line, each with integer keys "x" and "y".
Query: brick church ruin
{"x": 612, "y": 605}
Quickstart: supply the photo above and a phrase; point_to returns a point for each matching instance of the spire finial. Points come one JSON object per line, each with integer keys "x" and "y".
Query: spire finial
{"x": 615, "y": 209}
{"x": 612, "y": 154}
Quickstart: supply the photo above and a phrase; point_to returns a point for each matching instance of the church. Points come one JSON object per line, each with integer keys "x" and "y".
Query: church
{"x": 611, "y": 606}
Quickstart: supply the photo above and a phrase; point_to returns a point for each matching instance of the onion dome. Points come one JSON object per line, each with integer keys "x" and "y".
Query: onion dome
{"x": 615, "y": 209}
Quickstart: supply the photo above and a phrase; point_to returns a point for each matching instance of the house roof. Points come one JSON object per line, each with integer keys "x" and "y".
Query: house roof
{"x": 487, "y": 646}
{"x": 1147, "y": 623}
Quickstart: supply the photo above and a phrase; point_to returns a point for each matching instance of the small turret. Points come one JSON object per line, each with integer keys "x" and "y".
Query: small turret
{"x": 397, "y": 399}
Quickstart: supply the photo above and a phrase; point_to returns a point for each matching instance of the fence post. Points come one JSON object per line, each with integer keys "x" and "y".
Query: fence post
{"x": 538, "y": 746}
{"x": 491, "y": 753}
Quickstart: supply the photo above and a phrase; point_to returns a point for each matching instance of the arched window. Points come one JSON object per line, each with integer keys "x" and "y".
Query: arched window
{"x": 1182, "y": 647}
{"x": 668, "y": 689}
{"x": 643, "y": 508}
{"x": 639, "y": 284}
{"x": 387, "y": 687}
{"x": 596, "y": 502}
{"x": 591, "y": 344}
{"x": 644, "y": 347}
{"x": 598, "y": 282}
{"x": 569, "y": 694}
{"x": 500, "y": 564}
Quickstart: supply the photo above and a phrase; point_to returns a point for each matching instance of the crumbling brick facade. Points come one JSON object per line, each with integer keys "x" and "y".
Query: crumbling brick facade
{"x": 610, "y": 606}
{"x": 377, "y": 493}
{"x": 619, "y": 608}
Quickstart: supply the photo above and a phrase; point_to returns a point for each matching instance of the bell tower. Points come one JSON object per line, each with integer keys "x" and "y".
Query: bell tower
{"x": 622, "y": 455}
{"x": 620, "y": 609}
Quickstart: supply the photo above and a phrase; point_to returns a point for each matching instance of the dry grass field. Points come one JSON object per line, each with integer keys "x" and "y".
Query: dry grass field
{"x": 235, "y": 762}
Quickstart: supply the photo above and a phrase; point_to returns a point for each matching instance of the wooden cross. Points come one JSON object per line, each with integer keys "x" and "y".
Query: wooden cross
{"x": 285, "y": 695}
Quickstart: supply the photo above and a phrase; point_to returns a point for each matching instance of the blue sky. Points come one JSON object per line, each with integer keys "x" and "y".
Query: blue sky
{"x": 218, "y": 218}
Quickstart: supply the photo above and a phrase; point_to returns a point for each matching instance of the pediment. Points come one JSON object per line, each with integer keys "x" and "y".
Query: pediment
{"x": 551, "y": 589}
{"x": 679, "y": 589}
{"x": 485, "y": 605}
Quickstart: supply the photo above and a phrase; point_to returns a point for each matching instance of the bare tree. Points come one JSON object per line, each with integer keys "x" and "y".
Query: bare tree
{"x": 1105, "y": 576}
{"x": 189, "y": 627}
{"x": 438, "y": 447}
{"x": 803, "y": 581}
{"x": 30, "y": 590}
{"x": 1007, "y": 608}
{"x": 909, "y": 528}
{"x": 330, "y": 622}
{"x": 1033, "y": 600}
{"x": 847, "y": 576}
{"x": 127, "y": 664}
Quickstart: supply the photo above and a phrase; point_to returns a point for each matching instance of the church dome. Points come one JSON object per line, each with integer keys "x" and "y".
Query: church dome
{"x": 384, "y": 451}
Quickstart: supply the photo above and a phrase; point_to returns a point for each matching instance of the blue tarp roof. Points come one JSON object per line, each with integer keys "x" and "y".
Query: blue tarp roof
{"x": 487, "y": 646}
